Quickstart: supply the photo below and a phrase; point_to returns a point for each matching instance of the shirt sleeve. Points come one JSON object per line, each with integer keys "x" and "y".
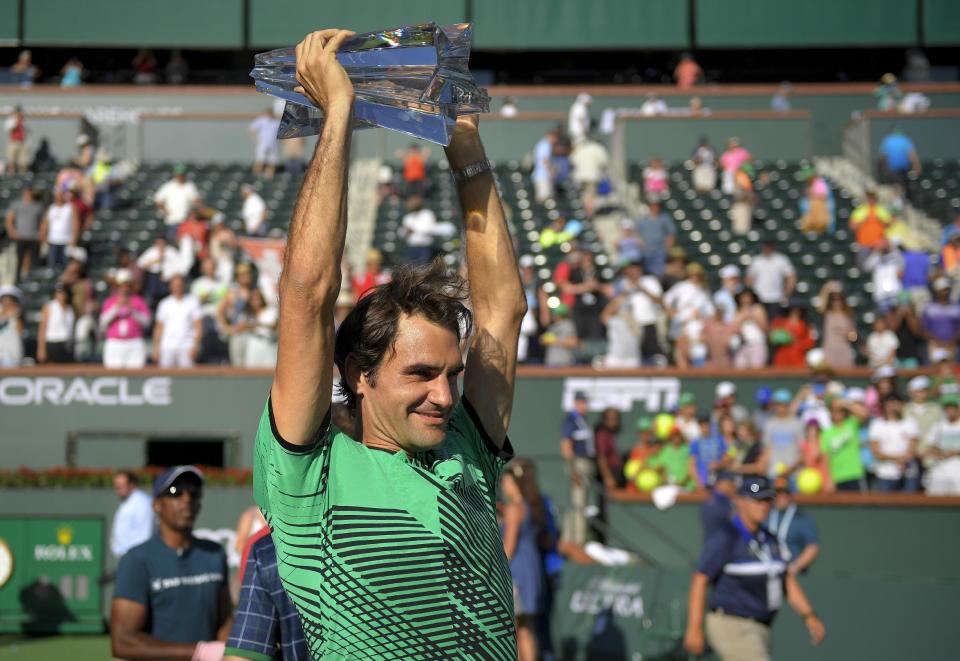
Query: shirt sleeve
{"x": 715, "y": 554}
{"x": 808, "y": 530}
{"x": 567, "y": 428}
{"x": 256, "y": 625}
{"x": 289, "y": 480}
{"x": 132, "y": 581}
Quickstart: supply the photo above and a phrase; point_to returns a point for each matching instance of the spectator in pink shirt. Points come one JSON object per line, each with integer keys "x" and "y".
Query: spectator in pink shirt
{"x": 124, "y": 320}
{"x": 735, "y": 156}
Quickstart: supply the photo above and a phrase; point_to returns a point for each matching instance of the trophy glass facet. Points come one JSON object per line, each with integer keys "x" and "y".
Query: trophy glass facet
{"x": 413, "y": 79}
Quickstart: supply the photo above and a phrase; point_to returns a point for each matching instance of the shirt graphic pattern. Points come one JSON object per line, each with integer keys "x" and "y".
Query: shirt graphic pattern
{"x": 387, "y": 556}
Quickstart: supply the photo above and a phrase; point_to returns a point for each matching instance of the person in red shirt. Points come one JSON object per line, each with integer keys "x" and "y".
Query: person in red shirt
{"x": 80, "y": 207}
{"x": 792, "y": 353}
{"x": 415, "y": 169}
{"x": 609, "y": 461}
{"x": 16, "y": 129}
{"x": 197, "y": 230}
{"x": 373, "y": 275}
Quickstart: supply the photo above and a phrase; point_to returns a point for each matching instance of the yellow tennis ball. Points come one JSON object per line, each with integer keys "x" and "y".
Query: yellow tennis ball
{"x": 780, "y": 468}
{"x": 809, "y": 481}
{"x": 663, "y": 425}
{"x": 732, "y": 452}
{"x": 632, "y": 469}
{"x": 648, "y": 480}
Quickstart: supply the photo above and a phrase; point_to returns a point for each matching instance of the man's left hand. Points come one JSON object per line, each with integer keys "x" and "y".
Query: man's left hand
{"x": 817, "y": 631}
{"x": 211, "y": 650}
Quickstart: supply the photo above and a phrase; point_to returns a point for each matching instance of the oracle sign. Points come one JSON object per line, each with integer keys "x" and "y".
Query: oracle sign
{"x": 99, "y": 391}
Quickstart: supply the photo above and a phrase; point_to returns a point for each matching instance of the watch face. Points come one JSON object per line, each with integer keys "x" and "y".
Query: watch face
{"x": 6, "y": 563}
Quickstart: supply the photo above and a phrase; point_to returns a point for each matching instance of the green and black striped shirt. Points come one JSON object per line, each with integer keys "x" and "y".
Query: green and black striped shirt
{"x": 387, "y": 555}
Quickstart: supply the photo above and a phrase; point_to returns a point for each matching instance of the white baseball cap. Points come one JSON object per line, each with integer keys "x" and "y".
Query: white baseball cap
{"x": 884, "y": 372}
{"x": 939, "y": 354}
{"x": 726, "y": 389}
{"x": 122, "y": 276}
{"x": 918, "y": 383}
{"x": 526, "y": 261}
{"x": 941, "y": 283}
{"x": 730, "y": 271}
{"x": 855, "y": 395}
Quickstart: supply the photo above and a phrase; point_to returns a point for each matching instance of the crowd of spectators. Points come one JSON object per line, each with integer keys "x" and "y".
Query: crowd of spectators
{"x": 657, "y": 305}
{"x": 895, "y": 435}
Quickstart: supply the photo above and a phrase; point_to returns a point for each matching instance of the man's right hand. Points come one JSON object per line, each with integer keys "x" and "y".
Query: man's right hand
{"x": 322, "y": 78}
{"x": 693, "y": 641}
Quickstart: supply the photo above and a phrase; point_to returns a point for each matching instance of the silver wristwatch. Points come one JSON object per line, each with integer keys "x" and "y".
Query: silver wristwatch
{"x": 472, "y": 170}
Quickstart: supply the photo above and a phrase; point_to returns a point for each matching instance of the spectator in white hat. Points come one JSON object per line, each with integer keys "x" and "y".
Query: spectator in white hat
{"x": 725, "y": 403}
{"x": 725, "y": 298}
{"x": 942, "y": 453}
{"x": 924, "y": 413}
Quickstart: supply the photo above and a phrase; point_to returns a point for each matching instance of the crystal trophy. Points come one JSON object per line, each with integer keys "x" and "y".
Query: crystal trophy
{"x": 412, "y": 79}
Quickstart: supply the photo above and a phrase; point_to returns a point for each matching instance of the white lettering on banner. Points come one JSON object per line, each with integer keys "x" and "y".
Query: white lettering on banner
{"x": 656, "y": 393}
{"x": 601, "y": 594}
{"x": 101, "y": 391}
{"x": 59, "y": 553}
{"x": 159, "y": 584}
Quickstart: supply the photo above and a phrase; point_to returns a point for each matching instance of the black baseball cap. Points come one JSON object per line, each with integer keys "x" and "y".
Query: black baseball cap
{"x": 165, "y": 480}
{"x": 756, "y": 487}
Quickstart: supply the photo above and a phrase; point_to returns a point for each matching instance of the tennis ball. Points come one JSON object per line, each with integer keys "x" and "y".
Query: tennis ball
{"x": 648, "y": 480}
{"x": 809, "y": 481}
{"x": 780, "y": 468}
{"x": 732, "y": 452}
{"x": 632, "y": 468}
{"x": 663, "y": 425}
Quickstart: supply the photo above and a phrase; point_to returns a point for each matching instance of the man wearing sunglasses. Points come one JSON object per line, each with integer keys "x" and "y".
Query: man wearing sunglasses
{"x": 171, "y": 599}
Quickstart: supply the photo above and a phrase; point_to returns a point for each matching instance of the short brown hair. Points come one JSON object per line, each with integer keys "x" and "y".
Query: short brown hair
{"x": 369, "y": 331}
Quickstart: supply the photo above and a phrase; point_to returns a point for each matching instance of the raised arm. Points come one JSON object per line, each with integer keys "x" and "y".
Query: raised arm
{"x": 495, "y": 289}
{"x": 310, "y": 281}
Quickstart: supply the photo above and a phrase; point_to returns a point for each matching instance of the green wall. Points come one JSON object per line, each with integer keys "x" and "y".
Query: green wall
{"x": 169, "y": 23}
{"x": 35, "y": 435}
{"x": 881, "y": 584}
{"x": 276, "y": 23}
{"x": 562, "y": 24}
{"x": 9, "y": 19}
{"x": 886, "y": 585}
{"x": 739, "y": 23}
{"x": 500, "y": 24}
{"x": 941, "y": 22}
{"x": 934, "y": 137}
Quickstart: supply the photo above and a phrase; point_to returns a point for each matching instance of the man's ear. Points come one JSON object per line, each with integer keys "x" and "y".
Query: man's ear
{"x": 354, "y": 377}
{"x": 156, "y": 506}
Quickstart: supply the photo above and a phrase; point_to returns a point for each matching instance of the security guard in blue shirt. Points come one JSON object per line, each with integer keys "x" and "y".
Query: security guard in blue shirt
{"x": 742, "y": 564}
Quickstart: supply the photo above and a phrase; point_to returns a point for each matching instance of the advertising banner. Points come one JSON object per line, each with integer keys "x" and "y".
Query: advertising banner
{"x": 49, "y": 574}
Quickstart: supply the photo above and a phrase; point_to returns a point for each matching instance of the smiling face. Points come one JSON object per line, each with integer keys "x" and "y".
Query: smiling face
{"x": 408, "y": 401}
